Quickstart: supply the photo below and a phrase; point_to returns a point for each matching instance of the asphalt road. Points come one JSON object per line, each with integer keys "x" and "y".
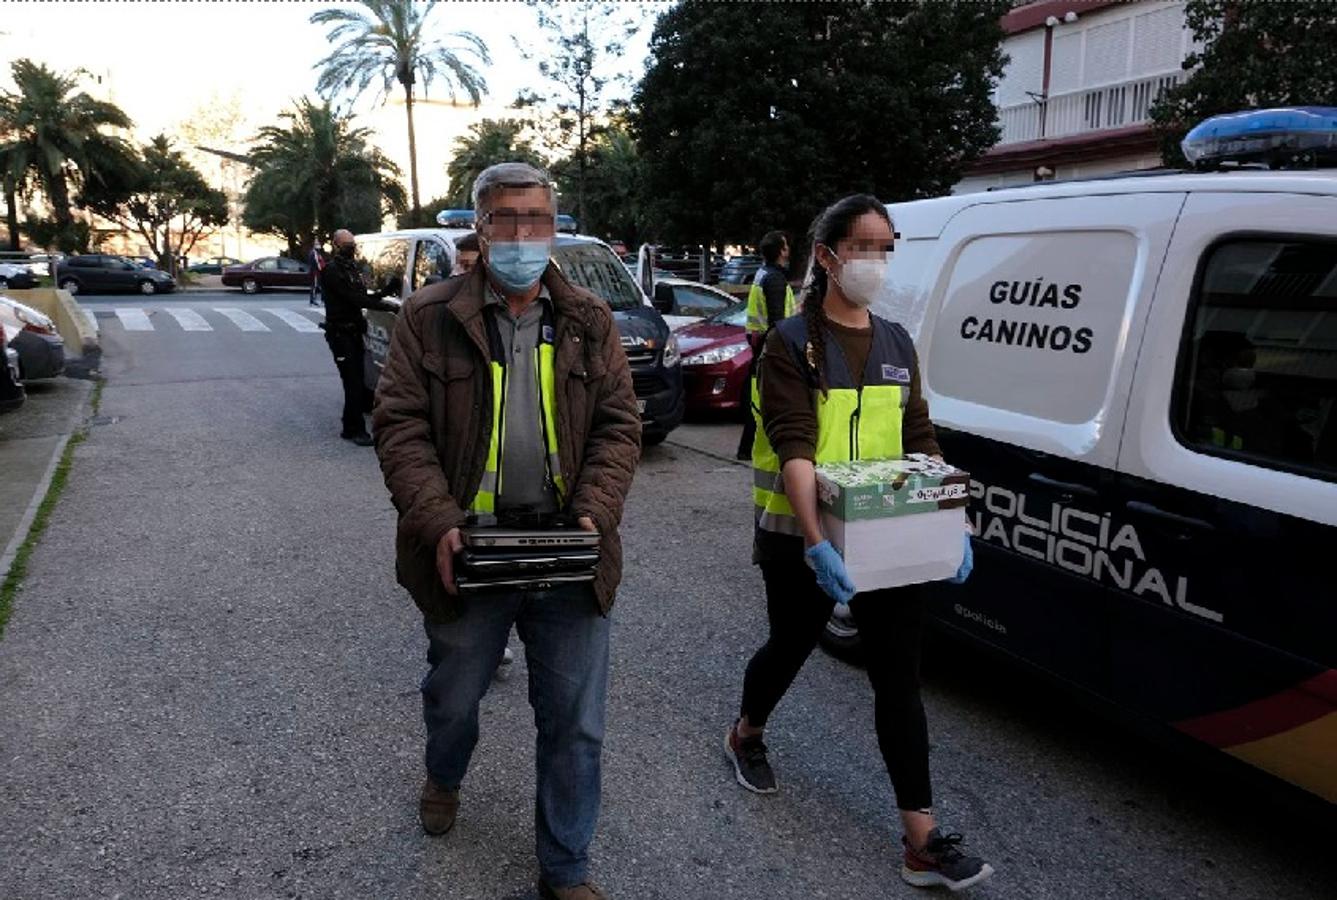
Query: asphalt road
{"x": 209, "y": 688}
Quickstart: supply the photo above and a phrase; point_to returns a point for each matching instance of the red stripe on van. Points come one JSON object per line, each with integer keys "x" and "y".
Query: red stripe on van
{"x": 1264, "y": 718}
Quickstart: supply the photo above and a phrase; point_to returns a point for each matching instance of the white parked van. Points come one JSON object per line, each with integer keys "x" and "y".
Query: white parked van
{"x": 1140, "y": 374}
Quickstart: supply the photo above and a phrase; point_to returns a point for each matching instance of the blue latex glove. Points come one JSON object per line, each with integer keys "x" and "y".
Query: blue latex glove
{"x": 830, "y": 568}
{"x": 967, "y": 563}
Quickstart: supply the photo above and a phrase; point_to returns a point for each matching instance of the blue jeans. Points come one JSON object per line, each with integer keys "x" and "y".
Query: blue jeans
{"x": 566, "y": 650}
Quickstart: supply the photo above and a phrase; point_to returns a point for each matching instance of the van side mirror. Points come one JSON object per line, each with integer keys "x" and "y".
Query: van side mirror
{"x": 663, "y": 299}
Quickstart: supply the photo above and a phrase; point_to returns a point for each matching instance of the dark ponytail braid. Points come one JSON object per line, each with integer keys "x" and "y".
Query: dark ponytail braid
{"x": 813, "y": 296}
{"x": 828, "y": 229}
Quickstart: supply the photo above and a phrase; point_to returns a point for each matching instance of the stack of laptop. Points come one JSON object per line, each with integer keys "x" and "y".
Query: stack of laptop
{"x": 504, "y": 556}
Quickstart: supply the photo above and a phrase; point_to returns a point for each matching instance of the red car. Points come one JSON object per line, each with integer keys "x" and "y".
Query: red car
{"x": 715, "y": 362}
{"x": 268, "y": 272}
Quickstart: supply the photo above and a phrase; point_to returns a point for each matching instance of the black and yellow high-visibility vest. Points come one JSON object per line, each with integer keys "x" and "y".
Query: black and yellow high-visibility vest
{"x": 485, "y": 501}
{"x": 758, "y": 317}
{"x": 852, "y": 423}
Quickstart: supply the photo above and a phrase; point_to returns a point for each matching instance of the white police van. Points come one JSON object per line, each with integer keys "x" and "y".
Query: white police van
{"x": 1140, "y": 374}
{"x": 397, "y": 263}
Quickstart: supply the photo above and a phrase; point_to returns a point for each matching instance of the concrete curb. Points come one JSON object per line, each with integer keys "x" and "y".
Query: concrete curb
{"x": 731, "y": 460}
{"x": 76, "y": 421}
{"x": 29, "y": 514}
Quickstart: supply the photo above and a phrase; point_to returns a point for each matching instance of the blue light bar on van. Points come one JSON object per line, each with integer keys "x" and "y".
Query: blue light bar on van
{"x": 455, "y": 218}
{"x": 1291, "y": 136}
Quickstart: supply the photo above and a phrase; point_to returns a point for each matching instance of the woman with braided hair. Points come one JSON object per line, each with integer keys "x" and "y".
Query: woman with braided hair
{"x": 835, "y": 384}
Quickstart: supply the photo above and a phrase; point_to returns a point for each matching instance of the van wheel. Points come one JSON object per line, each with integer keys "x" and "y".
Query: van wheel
{"x": 653, "y": 439}
{"x": 148, "y": 288}
{"x": 4, "y": 283}
{"x": 250, "y": 286}
{"x": 69, "y": 286}
{"x": 841, "y": 638}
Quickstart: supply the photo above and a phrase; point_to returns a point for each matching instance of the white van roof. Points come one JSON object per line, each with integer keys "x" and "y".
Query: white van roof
{"x": 927, "y": 218}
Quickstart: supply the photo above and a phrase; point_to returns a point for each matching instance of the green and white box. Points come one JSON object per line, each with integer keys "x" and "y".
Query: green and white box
{"x": 896, "y": 521}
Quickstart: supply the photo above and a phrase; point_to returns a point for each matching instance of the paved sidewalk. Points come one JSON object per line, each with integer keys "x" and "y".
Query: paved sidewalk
{"x": 31, "y": 441}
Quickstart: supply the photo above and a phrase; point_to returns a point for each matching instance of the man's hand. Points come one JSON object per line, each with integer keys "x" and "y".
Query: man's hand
{"x": 587, "y": 523}
{"x": 446, "y": 548}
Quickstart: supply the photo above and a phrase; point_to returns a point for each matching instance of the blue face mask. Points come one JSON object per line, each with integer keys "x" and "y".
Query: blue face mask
{"x": 518, "y": 265}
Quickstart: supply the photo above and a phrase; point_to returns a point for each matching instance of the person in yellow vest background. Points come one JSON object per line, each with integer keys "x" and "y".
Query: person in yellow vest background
{"x": 506, "y": 393}
{"x": 837, "y": 384}
{"x": 770, "y": 300}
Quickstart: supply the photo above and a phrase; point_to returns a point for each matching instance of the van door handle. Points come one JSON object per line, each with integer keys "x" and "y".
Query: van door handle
{"x": 1155, "y": 512}
{"x": 1068, "y": 488}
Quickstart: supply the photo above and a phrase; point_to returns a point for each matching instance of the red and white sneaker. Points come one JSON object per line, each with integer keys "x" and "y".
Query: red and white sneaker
{"x": 942, "y": 864}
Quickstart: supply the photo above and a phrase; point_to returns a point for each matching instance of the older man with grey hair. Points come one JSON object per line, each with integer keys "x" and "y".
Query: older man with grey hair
{"x": 506, "y": 393}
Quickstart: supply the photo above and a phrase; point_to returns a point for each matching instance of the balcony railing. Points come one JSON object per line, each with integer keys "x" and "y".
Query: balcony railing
{"x": 1079, "y": 112}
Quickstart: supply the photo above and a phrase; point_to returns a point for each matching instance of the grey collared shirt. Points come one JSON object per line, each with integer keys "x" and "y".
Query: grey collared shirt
{"x": 525, "y": 486}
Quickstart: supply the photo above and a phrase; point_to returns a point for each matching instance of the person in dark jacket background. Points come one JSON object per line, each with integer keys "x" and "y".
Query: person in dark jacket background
{"x": 345, "y": 298}
{"x": 770, "y": 300}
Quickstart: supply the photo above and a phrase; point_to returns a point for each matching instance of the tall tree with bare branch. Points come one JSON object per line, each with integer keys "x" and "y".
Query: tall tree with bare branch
{"x": 386, "y": 41}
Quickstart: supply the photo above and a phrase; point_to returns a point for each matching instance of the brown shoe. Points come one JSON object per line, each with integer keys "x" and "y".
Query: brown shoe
{"x": 586, "y": 891}
{"x": 437, "y": 807}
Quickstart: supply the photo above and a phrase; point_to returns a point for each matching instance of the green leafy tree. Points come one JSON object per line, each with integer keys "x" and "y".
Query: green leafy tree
{"x": 612, "y": 185}
{"x": 166, "y": 194}
{"x": 1255, "y": 54}
{"x": 54, "y": 137}
{"x": 754, "y": 116}
{"x": 487, "y": 143}
{"x": 318, "y": 173}
{"x": 387, "y": 41}
{"x": 585, "y": 43}
{"x": 425, "y": 217}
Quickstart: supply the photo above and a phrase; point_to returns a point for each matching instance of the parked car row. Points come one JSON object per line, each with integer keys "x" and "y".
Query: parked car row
{"x": 18, "y": 276}
{"x": 267, "y": 273}
{"x": 32, "y": 350}
{"x": 90, "y": 273}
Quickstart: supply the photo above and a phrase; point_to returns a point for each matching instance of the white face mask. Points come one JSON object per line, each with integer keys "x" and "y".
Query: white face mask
{"x": 861, "y": 280}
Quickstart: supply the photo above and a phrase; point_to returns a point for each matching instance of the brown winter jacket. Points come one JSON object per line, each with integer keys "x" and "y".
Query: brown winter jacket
{"x": 433, "y": 415}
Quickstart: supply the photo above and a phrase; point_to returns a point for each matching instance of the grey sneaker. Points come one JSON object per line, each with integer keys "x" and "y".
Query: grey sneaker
{"x": 941, "y": 863}
{"x": 750, "y": 765}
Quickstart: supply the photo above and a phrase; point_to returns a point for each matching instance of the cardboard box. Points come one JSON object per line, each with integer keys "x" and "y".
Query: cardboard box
{"x": 898, "y": 521}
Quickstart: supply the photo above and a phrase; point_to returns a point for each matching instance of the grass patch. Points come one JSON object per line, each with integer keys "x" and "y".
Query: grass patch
{"x": 13, "y": 582}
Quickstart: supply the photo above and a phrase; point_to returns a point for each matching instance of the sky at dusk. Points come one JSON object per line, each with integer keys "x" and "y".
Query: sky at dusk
{"x": 163, "y": 62}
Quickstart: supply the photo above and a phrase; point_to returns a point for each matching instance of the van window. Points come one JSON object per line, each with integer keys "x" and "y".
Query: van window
{"x": 431, "y": 259}
{"x": 382, "y": 262}
{"x": 1257, "y": 375}
{"x": 1030, "y": 323}
{"x": 595, "y": 268}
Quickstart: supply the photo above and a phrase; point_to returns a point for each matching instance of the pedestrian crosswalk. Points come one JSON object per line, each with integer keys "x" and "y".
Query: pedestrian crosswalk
{"x": 218, "y": 318}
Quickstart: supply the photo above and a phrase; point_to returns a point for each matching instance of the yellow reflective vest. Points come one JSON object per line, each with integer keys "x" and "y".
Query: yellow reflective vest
{"x": 485, "y": 501}
{"x": 758, "y": 318}
{"x": 852, "y": 422}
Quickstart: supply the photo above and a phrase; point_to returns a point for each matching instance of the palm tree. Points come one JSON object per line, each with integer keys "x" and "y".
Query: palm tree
{"x": 487, "y": 143}
{"x": 53, "y": 137}
{"x": 318, "y": 173}
{"x": 385, "y": 41}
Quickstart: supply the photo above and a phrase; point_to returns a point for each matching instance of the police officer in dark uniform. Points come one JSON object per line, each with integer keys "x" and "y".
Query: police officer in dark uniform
{"x": 345, "y": 298}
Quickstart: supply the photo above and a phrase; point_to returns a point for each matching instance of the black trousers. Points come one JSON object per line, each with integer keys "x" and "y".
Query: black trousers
{"x": 891, "y": 625}
{"x": 346, "y": 347}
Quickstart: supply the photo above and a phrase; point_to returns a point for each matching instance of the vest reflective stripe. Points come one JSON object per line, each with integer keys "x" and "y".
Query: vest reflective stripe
{"x": 490, "y": 488}
{"x": 757, "y": 319}
{"x": 485, "y": 501}
{"x": 543, "y": 358}
{"x": 852, "y": 423}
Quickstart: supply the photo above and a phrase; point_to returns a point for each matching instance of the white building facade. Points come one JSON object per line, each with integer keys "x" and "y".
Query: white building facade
{"x": 1075, "y": 98}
